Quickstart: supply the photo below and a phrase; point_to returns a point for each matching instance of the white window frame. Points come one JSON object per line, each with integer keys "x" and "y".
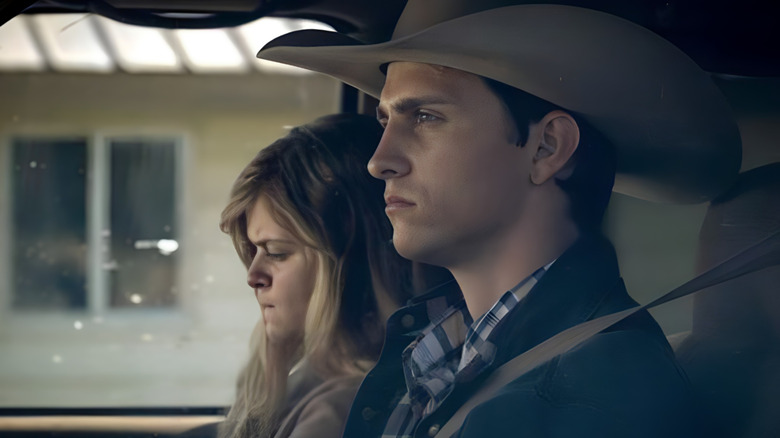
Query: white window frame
{"x": 98, "y": 219}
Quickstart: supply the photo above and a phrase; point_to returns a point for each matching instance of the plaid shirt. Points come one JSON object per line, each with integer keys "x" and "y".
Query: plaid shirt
{"x": 451, "y": 347}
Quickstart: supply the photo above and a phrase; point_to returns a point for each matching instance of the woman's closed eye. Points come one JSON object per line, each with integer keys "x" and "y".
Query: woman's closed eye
{"x": 276, "y": 251}
{"x": 274, "y": 255}
{"x": 277, "y": 257}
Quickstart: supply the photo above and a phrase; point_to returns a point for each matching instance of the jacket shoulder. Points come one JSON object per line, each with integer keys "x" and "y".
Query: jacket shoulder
{"x": 618, "y": 383}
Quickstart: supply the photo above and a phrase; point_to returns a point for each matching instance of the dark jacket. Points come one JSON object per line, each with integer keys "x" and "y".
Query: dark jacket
{"x": 624, "y": 381}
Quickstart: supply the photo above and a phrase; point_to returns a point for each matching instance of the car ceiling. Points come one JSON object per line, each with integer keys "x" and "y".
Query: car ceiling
{"x": 723, "y": 36}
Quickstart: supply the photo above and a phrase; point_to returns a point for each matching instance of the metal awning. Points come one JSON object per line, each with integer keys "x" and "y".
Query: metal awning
{"x": 91, "y": 43}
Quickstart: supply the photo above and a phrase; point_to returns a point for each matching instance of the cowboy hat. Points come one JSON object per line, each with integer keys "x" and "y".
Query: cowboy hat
{"x": 674, "y": 133}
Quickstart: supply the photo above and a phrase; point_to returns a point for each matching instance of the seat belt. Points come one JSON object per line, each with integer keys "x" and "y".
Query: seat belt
{"x": 758, "y": 256}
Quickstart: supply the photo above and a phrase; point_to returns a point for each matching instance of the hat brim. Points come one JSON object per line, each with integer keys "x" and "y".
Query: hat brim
{"x": 675, "y": 135}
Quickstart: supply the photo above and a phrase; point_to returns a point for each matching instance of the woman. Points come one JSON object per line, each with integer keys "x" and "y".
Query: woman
{"x": 308, "y": 222}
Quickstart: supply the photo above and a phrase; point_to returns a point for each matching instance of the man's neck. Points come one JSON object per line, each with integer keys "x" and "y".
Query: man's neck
{"x": 486, "y": 277}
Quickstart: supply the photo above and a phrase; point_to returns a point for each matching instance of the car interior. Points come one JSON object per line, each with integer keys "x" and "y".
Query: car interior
{"x": 123, "y": 310}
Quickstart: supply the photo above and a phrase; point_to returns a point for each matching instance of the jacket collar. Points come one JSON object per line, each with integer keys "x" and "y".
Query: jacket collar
{"x": 575, "y": 289}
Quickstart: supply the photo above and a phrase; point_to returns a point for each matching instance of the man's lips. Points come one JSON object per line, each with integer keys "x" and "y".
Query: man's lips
{"x": 397, "y": 203}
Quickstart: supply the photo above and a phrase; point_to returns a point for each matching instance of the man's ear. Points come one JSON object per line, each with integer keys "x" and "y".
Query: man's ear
{"x": 560, "y": 136}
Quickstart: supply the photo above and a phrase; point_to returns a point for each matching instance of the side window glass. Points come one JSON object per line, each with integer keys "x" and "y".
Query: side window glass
{"x": 118, "y": 147}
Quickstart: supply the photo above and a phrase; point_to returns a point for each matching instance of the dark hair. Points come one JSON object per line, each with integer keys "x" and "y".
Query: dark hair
{"x": 590, "y": 185}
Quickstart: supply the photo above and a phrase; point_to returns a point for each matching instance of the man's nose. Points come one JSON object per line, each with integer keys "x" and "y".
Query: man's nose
{"x": 389, "y": 160}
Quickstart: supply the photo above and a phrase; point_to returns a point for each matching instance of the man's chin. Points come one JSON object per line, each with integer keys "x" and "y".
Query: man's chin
{"x": 416, "y": 250}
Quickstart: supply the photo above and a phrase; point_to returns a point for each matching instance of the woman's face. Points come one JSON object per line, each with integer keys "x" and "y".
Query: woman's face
{"x": 281, "y": 273}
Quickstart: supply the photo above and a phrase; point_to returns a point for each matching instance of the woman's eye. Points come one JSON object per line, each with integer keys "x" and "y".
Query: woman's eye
{"x": 277, "y": 257}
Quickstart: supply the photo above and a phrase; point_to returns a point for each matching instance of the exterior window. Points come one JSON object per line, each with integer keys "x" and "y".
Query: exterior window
{"x": 144, "y": 228}
{"x": 136, "y": 255}
{"x": 49, "y": 232}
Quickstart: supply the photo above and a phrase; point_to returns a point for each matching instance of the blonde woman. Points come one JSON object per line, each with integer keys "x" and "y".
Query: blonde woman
{"x": 308, "y": 222}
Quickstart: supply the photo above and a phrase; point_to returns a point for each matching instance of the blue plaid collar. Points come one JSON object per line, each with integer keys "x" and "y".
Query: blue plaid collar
{"x": 452, "y": 347}
{"x": 478, "y": 350}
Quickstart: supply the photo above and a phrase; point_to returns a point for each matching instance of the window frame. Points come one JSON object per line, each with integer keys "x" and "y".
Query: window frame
{"x": 98, "y": 144}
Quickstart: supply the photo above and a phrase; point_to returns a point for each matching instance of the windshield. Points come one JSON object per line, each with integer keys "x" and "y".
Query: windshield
{"x": 118, "y": 146}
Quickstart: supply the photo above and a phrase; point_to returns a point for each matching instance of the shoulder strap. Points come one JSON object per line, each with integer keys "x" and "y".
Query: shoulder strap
{"x": 761, "y": 255}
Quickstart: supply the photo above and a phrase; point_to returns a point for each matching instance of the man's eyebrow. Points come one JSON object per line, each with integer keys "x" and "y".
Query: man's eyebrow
{"x": 409, "y": 103}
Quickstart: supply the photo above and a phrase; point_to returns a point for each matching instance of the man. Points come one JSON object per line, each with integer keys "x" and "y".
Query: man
{"x": 504, "y": 128}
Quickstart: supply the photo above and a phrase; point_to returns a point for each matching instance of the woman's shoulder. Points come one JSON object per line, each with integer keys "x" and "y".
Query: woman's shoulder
{"x": 323, "y": 411}
{"x": 334, "y": 394}
{"x": 340, "y": 383}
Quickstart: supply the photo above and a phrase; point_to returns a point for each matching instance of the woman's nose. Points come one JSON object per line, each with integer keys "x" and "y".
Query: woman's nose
{"x": 257, "y": 275}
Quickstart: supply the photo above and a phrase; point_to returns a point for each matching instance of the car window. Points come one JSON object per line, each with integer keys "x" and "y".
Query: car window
{"x": 118, "y": 146}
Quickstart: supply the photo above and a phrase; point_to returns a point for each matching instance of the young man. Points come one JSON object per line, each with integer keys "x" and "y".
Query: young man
{"x": 504, "y": 128}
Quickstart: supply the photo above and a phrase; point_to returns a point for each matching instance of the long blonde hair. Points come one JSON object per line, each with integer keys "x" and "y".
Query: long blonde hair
{"x": 319, "y": 190}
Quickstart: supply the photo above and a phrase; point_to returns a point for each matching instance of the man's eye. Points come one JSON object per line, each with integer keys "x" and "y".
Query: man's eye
{"x": 382, "y": 121}
{"x": 422, "y": 117}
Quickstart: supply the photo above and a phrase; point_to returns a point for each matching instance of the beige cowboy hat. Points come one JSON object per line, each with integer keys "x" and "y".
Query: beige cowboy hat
{"x": 676, "y": 138}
